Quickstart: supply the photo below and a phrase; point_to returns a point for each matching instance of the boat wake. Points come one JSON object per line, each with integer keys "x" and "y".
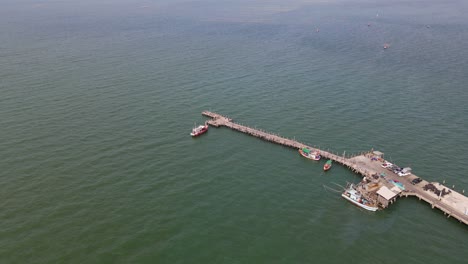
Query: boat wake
{"x": 328, "y": 188}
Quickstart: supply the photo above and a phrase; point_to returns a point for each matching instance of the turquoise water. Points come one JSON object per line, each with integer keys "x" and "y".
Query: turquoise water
{"x": 97, "y": 101}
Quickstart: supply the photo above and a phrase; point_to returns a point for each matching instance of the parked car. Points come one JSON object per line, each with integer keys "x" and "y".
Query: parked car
{"x": 397, "y": 169}
{"x": 404, "y": 172}
{"x": 386, "y": 164}
{"x": 401, "y": 173}
{"x": 416, "y": 181}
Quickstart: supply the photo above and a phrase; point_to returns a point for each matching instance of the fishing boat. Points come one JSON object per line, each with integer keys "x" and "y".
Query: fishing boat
{"x": 327, "y": 165}
{"x": 355, "y": 197}
{"x": 313, "y": 155}
{"x": 196, "y": 131}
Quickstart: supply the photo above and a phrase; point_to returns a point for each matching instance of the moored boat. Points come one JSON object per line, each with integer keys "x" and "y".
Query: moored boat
{"x": 196, "y": 131}
{"x": 327, "y": 165}
{"x": 307, "y": 153}
{"x": 355, "y": 197}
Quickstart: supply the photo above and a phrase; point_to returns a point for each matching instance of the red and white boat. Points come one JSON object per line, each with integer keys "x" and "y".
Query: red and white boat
{"x": 305, "y": 152}
{"x": 196, "y": 131}
{"x": 327, "y": 165}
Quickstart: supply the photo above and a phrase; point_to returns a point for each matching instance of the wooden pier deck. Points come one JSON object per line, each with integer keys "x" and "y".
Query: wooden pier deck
{"x": 453, "y": 205}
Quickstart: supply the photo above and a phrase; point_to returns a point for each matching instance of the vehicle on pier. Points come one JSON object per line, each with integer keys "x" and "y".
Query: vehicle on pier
{"x": 393, "y": 168}
{"x": 416, "y": 181}
{"x": 327, "y": 165}
{"x": 307, "y": 153}
{"x": 354, "y": 196}
{"x": 404, "y": 172}
{"x": 196, "y": 131}
{"x": 386, "y": 165}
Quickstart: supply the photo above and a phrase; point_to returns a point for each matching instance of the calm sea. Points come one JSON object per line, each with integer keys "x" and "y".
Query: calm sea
{"x": 97, "y": 99}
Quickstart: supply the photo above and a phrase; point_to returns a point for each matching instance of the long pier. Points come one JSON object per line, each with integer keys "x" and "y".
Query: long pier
{"x": 453, "y": 204}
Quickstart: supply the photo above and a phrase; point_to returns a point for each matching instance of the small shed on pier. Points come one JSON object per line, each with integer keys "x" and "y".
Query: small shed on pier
{"x": 378, "y": 154}
{"x": 385, "y": 196}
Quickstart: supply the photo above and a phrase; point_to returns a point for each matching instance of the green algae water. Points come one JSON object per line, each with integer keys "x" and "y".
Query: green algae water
{"x": 98, "y": 100}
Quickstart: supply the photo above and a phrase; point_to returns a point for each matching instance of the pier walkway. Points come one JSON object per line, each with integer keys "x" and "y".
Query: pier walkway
{"x": 453, "y": 204}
